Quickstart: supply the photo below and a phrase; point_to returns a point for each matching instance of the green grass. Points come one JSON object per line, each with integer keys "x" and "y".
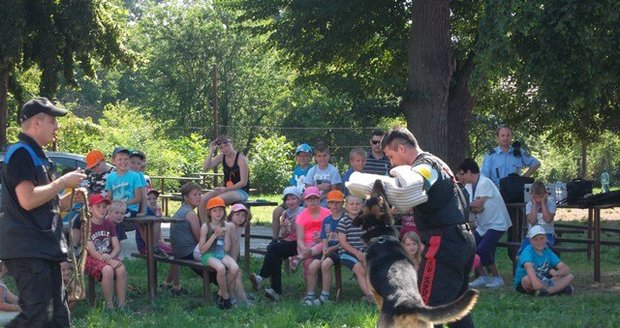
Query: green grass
{"x": 593, "y": 305}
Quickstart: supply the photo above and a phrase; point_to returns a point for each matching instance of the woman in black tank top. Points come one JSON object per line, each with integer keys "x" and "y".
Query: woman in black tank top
{"x": 236, "y": 173}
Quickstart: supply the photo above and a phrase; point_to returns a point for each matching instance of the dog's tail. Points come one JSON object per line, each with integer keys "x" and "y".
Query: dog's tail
{"x": 448, "y": 312}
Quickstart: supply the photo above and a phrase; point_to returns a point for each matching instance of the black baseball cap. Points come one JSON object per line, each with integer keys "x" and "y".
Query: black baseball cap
{"x": 137, "y": 153}
{"x": 39, "y": 105}
{"x": 120, "y": 150}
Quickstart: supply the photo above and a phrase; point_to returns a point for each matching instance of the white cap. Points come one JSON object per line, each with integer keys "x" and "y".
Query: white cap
{"x": 291, "y": 190}
{"x": 534, "y": 231}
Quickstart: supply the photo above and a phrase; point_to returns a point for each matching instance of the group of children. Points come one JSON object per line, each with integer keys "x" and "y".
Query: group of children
{"x": 314, "y": 229}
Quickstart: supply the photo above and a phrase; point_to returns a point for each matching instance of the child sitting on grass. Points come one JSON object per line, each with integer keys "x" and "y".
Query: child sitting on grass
{"x": 213, "y": 245}
{"x": 540, "y": 210}
{"x": 103, "y": 247}
{"x": 329, "y": 238}
{"x": 413, "y": 248}
{"x": 9, "y": 302}
{"x": 539, "y": 271}
{"x": 352, "y": 247}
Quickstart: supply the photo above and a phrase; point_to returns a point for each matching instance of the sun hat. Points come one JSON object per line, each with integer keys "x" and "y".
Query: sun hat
{"x": 93, "y": 158}
{"x": 215, "y": 202}
{"x": 335, "y": 196}
{"x": 535, "y": 231}
{"x": 312, "y": 192}
{"x": 137, "y": 153}
{"x": 238, "y": 207}
{"x": 303, "y": 148}
{"x": 291, "y": 191}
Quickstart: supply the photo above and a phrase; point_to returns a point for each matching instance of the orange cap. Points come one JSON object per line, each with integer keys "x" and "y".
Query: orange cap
{"x": 215, "y": 202}
{"x": 335, "y": 196}
{"x": 93, "y": 158}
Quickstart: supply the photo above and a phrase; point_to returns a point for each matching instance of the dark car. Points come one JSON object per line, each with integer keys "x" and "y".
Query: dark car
{"x": 62, "y": 162}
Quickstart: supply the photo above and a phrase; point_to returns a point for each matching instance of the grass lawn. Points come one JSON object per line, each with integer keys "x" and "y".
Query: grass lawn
{"x": 593, "y": 305}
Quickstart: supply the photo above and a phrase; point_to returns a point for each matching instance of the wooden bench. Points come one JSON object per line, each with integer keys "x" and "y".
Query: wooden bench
{"x": 186, "y": 263}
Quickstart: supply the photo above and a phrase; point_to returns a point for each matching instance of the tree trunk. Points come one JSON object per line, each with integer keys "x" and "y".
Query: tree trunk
{"x": 460, "y": 104}
{"x": 431, "y": 66}
{"x": 4, "y": 94}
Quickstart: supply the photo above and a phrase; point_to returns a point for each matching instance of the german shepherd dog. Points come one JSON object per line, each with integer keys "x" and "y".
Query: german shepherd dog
{"x": 392, "y": 278}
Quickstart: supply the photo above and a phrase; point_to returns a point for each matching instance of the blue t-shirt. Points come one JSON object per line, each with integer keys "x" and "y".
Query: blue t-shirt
{"x": 542, "y": 263}
{"x": 299, "y": 175}
{"x": 499, "y": 164}
{"x": 329, "y": 230}
{"x": 124, "y": 187}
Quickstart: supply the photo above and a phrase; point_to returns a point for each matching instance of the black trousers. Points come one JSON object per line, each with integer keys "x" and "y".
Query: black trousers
{"x": 277, "y": 251}
{"x": 42, "y": 295}
{"x": 443, "y": 275}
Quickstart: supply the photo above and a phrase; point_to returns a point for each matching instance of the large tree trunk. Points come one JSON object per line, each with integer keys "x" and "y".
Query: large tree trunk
{"x": 430, "y": 71}
{"x": 4, "y": 94}
{"x": 460, "y": 104}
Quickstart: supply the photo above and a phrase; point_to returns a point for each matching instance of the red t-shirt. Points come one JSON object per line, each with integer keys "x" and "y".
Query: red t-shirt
{"x": 101, "y": 235}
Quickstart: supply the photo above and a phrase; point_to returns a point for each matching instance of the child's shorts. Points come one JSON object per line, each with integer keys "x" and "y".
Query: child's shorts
{"x": 349, "y": 260}
{"x": 204, "y": 259}
{"x": 94, "y": 266}
{"x": 334, "y": 257}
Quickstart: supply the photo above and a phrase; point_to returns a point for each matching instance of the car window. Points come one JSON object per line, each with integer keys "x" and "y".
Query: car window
{"x": 62, "y": 164}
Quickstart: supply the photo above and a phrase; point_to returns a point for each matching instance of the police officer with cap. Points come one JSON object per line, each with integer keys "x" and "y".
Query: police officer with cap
{"x": 31, "y": 240}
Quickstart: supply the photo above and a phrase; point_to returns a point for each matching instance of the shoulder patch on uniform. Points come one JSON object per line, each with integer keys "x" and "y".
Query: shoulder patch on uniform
{"x": 427, "y": 172}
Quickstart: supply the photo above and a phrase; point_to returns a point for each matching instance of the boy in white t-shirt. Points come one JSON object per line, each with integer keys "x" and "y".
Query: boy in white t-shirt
{"x": 323, "y": 175}
{"x": 491, "y": 219}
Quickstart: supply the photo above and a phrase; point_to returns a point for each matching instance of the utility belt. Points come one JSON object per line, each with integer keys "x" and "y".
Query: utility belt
{"x": 440, "y": 231}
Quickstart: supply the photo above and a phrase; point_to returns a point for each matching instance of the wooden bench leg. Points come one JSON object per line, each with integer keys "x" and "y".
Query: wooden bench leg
{"x": 90, "y": 291}
{"x": 206, "y": 294}
{"x": 338, "y": 274}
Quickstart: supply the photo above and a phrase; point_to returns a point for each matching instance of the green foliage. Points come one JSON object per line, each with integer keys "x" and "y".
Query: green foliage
{"x": 558, "y": 62}
{"x": 271, "y": 164}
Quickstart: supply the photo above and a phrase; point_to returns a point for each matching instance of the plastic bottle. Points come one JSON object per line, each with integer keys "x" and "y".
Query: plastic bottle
{"x": 219, "y": 247}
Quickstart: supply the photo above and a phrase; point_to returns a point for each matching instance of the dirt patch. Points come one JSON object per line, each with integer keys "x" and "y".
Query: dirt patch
{"x": 576, "y": 214}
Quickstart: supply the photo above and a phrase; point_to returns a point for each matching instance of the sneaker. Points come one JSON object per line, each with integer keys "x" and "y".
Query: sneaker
{"x": 480, "y": 281}
{"x": 568, "y": 290}
{"x": 311, "y": 301}
{"x": 157, "y": 251}
{"x": 256, "y": 281}
{"x": 272, "y": 294}
{"x": 494, "y": 282}
{"x": 294, "y": 263}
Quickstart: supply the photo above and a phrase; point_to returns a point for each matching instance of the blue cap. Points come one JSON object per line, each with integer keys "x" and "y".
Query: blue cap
{"x": 303, "y": 148}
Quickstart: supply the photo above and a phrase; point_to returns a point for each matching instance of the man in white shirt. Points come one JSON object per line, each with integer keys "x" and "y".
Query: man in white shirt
{"x": 491, "y": 219}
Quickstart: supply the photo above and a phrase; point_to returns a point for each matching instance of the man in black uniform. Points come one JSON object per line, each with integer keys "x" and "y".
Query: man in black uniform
{"x": 450, "y": 247}
{"x": 31, "y": 241}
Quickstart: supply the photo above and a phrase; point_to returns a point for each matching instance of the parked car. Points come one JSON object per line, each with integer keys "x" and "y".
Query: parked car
{"x": 62, "y": 161}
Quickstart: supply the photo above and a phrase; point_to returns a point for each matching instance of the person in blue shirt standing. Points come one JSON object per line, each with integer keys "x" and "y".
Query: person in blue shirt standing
{"x": 507, "y": 158}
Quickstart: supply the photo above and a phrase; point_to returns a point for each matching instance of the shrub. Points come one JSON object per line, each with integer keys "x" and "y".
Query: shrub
{"x": 271, "y": 163}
